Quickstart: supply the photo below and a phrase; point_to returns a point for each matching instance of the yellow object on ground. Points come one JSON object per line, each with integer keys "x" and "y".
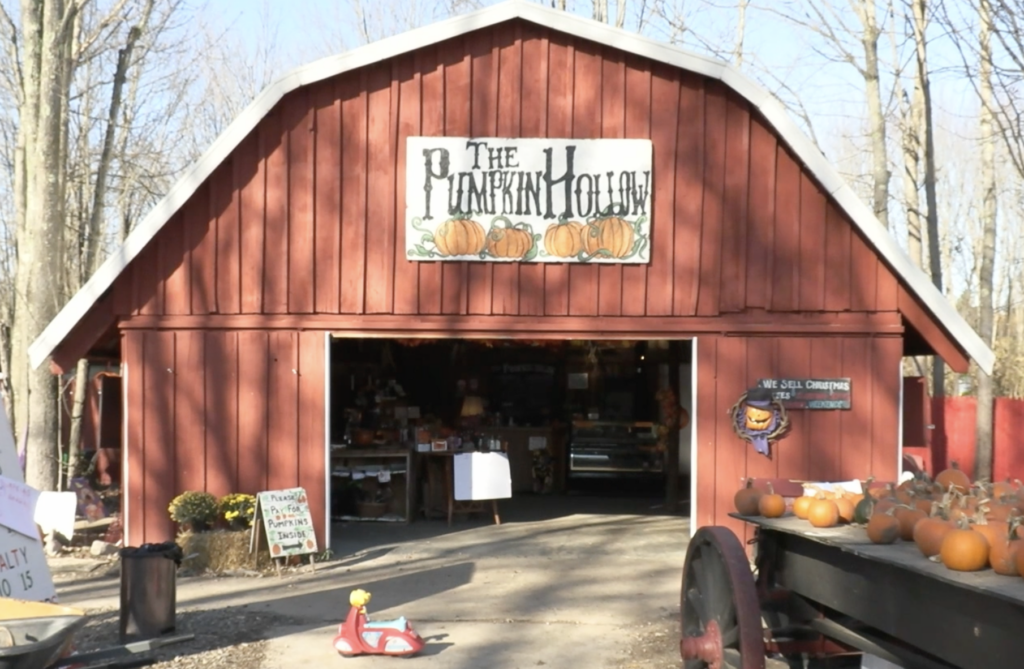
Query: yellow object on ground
{"x": 17, "y": 609}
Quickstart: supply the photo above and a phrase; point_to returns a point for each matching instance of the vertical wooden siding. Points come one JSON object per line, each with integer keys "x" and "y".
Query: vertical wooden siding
{"x": 307, "y": 215}
{"x": 222, "y": 412}
{"x": 823, "y": 445}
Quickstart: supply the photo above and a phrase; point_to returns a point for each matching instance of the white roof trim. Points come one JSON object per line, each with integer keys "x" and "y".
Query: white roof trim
{"x": 564, "y": 22}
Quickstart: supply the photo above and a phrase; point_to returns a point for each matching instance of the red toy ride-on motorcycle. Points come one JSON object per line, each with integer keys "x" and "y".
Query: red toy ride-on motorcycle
{"x": 358, "y": 635}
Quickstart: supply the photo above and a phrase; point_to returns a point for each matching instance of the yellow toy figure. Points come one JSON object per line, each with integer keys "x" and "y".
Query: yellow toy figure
{"x": 360, "y": 598}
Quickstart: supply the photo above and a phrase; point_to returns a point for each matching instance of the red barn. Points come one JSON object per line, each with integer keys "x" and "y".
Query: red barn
{"x": 291, "y": 229}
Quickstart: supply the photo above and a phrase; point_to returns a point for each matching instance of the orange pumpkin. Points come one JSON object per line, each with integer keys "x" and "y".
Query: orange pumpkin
{"x": 954, "y": 477}
{"x": 564, "y": 239}
{"x": 1003, "y": 489}
{"x": 608, "y": 237}
{"x": 508, "y": 241}
{"x": 746, "y": 499}
{"x": 801, "y": 505}
{"x": 823, "y": 513}
{"x": 459, "y": 237}
{"x": 771, "y": 505}
{"x": 883, "y": 528}
{"x": 845, "y": 507}
{"x": 908, "y": 517}
{"x": 1003, "y": 549}
{"x": 929, "y": 534}
{"x": 963, "y": 549}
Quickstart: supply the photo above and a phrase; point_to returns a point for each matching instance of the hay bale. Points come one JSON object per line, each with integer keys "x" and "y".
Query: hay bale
{"x": 219, "y": 551}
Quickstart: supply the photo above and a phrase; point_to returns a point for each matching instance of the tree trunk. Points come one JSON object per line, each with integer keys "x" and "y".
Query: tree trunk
{"x": 77, "y": 413}
{"x": 927, "y": 146}
{"x": 876, "y": 117}
{"x": 741, "y": 31}
{"x": 38, "y": 294}
{"x": 912, "y": 175}
{"x": 983, "y": 427}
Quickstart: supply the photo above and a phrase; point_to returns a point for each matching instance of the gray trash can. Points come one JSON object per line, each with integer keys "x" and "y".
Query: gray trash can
{"x": 148, "y": 590}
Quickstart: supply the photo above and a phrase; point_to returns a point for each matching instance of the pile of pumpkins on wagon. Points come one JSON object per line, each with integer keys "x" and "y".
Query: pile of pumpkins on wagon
{"x": 965, "y": 525}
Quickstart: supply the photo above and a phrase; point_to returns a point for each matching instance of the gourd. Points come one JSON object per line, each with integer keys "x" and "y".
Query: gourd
{"x": 908, "y": 517}
{"x": 801, "y": 505}
{"x": 746, "y": 499}
{"x": 1003, "y": 550}
{"x": 771, "y": 505}
{"x": 954, "y": 477}
{"x": 866, "y": 506}
{"x": 883, "y": 528}
{"x": 845, "y": 508}
{"x": 964, "y": 549}
{"x": 929, "y": 532}
{"x": 459, "y": 237}
{"x": 823, "y": 513}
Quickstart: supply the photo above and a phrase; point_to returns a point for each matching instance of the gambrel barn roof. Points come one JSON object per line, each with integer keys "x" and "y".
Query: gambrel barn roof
{"x": 939, "y": 310}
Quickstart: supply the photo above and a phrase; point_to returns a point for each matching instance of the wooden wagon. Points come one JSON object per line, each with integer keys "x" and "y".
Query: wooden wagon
{"x": 830, "y": 593}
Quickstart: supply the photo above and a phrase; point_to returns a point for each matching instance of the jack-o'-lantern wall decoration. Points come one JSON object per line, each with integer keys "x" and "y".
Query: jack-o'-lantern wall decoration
{"x": 759, "y": 418}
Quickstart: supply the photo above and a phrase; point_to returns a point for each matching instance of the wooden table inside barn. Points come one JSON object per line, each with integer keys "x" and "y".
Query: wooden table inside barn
{"x": 888, "y": 600}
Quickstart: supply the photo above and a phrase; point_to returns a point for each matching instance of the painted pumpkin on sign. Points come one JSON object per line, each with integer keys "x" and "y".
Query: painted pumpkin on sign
{"x": 459, "y": 237}
{"x": 612, "y": 237}
{"x": 508, "y": 241}
{"x": 757, "y": 418}
{"x": 564, "y": 240}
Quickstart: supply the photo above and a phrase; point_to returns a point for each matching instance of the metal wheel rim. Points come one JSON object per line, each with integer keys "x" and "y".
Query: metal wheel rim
{"x": 718, "y": 586}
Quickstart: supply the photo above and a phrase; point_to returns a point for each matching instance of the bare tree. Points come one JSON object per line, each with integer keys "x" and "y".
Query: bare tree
{"x": 926, "y": 145}
{"x": 88, "y": 133}
{"x": 854, "y": 42}
{"x": 984, "y": 415}
{"x": 46, "y": 30}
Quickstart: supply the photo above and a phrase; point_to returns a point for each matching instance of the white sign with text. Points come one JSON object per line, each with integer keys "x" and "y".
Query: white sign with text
{"x": 24, "y": 572}
{"x": 528, "y": 200}
{"x": 287, "y": 522}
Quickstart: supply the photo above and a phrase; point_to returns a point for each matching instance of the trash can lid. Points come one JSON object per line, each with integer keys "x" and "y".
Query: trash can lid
{"x": 167, "y": 549}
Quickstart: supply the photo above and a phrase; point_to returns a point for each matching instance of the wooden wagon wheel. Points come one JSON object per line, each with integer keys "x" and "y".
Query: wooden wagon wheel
{"x": 721, "y": 614}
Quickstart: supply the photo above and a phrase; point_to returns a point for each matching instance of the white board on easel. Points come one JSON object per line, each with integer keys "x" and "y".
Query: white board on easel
{"x": 24, "y": 572}
{"x": 482, "y": 476}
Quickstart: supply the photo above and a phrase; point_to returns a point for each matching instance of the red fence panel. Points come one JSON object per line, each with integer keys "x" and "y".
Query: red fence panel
{"x": 953, "y": 435}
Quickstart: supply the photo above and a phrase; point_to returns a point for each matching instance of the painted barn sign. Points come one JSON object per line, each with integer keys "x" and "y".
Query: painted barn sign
{"x": 528, "y": 200}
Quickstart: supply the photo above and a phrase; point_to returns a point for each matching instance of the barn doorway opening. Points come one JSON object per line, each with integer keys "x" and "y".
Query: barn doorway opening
{"x": 585, "y": 424}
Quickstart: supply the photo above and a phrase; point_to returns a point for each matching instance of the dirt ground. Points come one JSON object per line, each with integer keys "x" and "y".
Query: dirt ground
{"x": 561, "y": 582}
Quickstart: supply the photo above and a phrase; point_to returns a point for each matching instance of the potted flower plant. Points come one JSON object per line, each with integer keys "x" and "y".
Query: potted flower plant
{"x": 237, "y": 509}
{"x": 196, "y": 511}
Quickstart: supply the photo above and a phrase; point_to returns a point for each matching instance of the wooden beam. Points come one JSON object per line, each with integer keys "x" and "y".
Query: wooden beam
{"x": 557, "y": 327}
{"x": 672, "y": 447}
{"x": 98, "y": 320}
{"x": 932, "y": 332}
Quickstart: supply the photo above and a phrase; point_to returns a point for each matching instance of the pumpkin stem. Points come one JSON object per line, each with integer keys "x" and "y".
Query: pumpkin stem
{"x": 866, "y": 484}
{"x": 1013, "y": 524}
{"x": 771, "y": 490}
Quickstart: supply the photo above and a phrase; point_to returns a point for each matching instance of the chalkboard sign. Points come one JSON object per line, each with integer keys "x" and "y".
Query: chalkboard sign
{"x": 286, "y": 521}
{"x": 809, "y": 393}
